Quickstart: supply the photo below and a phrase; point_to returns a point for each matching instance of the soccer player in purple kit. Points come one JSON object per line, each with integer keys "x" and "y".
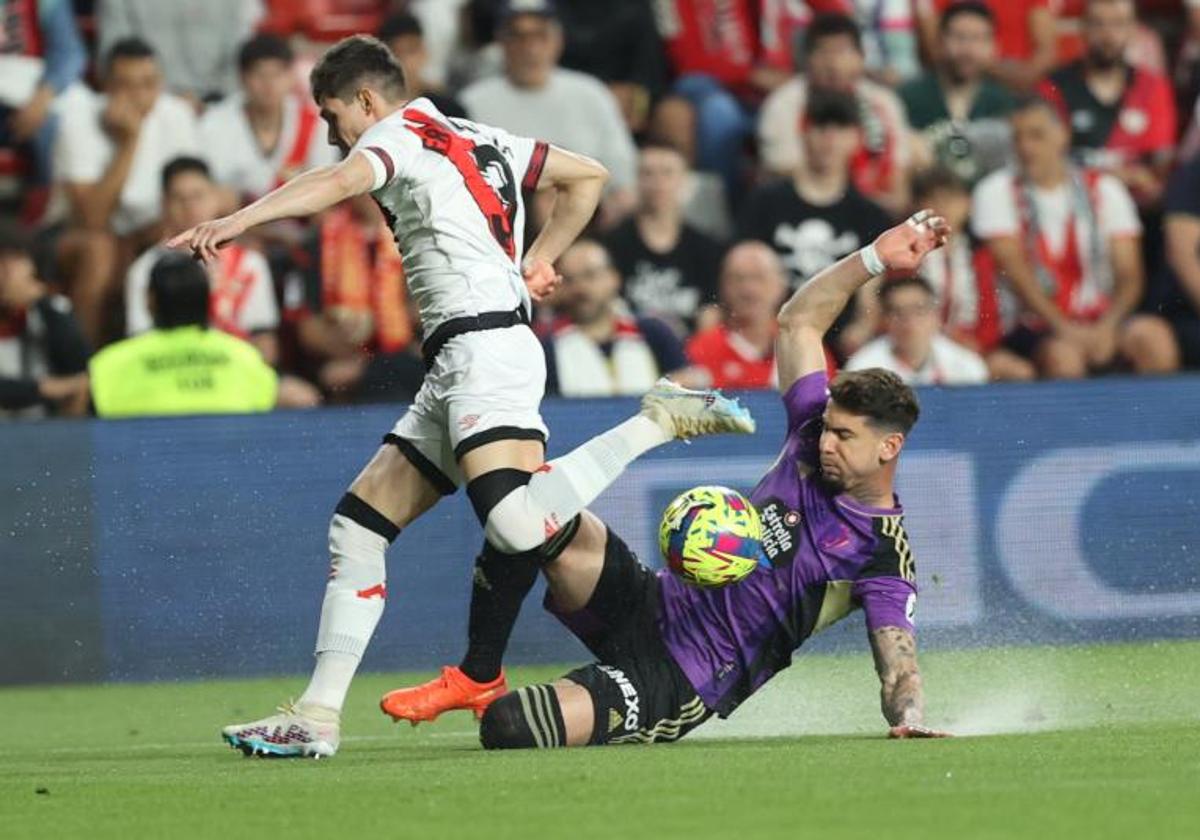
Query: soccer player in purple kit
{"x": 671, "y": 655}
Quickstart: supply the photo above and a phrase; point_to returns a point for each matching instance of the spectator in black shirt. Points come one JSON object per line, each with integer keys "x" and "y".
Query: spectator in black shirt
{"x": 1177, "y": 297}
{"x": 597, "y": 349}
{"x": 817, "y": 217}
{"x": 43, "y": 355}
{"x": 670, "y": 268}
{"x": 405, "y": 37}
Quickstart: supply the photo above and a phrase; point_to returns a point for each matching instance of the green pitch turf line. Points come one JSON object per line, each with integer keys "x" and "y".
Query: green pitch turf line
{"x": 1089, "y": 742}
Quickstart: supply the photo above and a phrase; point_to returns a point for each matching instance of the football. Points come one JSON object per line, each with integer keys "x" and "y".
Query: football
{"x": 711, "y": 537}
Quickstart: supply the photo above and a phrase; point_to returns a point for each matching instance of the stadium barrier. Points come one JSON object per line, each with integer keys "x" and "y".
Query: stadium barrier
{"x": 171, "y": 549}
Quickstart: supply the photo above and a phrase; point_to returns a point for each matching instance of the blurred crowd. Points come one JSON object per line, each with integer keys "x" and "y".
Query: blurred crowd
{"x": 751, "y": 143}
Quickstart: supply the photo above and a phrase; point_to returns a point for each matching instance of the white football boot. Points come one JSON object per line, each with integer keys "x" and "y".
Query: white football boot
{"x": 289, "y": 734}
{"x": 687, "y": 414}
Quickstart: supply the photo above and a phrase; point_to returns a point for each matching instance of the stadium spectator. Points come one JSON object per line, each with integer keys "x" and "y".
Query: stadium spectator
{"x": 242, "y": 295}
{"x": 267, "y": 132}
{"x": 43, "y": 355}
{"x": 888, "y": 28}
{"x": 41, "y": 55}
{"x": 1177, "y": 297}
{"x": 706, "y": 201}
{"x": 598, "y": 349}
{"x": 108, "y": 160}
{"x": 960, "y": 114}
{"x": 181, "y": 366}
{"x": 405, "y": 37}
{"x": 913, "y": 346}
{"x": 1068, "y": 240}
{"x": 833, "y": 57}
{"x": 974, "y": 310}
{"x": 537, "y": 98}
{"x": 1026, "y": 35}
{"x": 739, "y": 352}
{"x": 345, "y": 307}
{"x": 197, "y": 43}
{"x": 1122, "y": 117}
{"x": 817, "y": 216}
{"x": 669, "y": 267}
{"x": 617, "y": 42}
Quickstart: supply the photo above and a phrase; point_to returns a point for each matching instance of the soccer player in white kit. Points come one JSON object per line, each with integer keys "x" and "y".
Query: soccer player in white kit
{"x": 453, "y": 192}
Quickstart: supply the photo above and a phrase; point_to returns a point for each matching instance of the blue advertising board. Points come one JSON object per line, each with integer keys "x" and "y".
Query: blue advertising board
{"x": 165, "y": 549}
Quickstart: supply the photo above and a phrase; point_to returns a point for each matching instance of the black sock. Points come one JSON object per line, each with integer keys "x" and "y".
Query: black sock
{"x": 501, "y": 583}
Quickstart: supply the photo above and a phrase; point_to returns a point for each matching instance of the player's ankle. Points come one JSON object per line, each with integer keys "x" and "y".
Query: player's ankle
{"x": 660, "y": 417}
{"x": 318, "y": 713}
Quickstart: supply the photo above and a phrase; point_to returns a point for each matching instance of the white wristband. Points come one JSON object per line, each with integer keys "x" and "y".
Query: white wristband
{"x": 871, "y": 261}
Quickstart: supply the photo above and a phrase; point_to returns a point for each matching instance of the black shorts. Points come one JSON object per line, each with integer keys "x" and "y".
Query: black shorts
{"x": 1187, "y": 332}
{"x": 639, "y": 692}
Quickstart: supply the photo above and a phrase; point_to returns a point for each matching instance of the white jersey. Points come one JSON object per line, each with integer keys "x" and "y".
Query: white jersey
{"x": 453, "y": 192}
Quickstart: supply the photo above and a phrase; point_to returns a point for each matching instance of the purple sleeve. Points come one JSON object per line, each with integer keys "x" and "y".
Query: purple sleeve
{"x": 887, "y": 602}
{"x": 805, "y": 400}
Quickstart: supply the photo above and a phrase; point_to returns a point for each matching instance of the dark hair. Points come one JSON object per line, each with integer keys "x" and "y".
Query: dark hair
{"x": 654, "y": 143}
{"x": 180, "y": 288}
{"x": 929, "y": 181}
{"x": 15, "y": 238}
{"x": 181, "y": 166}
{"x": 906, "y": 281}
{"x": 399, "y": 26}
{"x": 131, "y": 47}
{"x": 831, "y": 26}
{"x": 353, "y": 61}
{"x": 966, "y": 7}
{"x": 1034, "y": 102}
{"x": 827, "y": 107}
{"x": 879, "y": 395}
{"x": 264, "y": 47}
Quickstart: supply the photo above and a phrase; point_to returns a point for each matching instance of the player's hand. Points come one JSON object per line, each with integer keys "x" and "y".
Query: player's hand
{"x": 204, "y": 240}
{"x": 903, "y": 247}
{"x": 540, "y": 278}
{"x": 915, "y": 730}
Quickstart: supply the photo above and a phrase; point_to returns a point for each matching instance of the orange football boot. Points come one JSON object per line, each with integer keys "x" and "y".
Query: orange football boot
{"x": 452, "y": 690}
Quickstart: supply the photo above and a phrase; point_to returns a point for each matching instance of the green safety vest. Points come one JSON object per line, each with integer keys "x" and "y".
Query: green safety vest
{"x": 185, "y": 370}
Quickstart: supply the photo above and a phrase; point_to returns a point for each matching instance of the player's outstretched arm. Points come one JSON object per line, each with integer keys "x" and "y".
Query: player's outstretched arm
{"x": 307, "y": 194}
{"x": 811, "y": 311}
{"x": 578, "y": 183}
{"x": 901, "y": 695}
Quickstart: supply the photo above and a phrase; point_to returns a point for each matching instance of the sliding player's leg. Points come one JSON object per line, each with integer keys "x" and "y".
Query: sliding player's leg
{"x": 635, "y": 693}
{"x": 399, "y": 484}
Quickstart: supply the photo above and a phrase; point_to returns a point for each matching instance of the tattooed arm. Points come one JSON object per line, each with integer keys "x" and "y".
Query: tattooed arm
{"x": 895, "y": 651}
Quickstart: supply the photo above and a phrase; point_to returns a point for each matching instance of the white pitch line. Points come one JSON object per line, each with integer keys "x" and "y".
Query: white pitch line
{"x": 216, "y": 742}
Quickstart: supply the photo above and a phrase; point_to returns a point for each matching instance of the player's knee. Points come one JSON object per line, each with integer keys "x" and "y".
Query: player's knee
{"x": 512, "y": 532}
{"x": 523, "y": 719}
{"x": 500, "y": 499}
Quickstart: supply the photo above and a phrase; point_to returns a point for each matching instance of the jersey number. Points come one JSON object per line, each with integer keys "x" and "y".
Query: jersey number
{"x": 484, "y": 171}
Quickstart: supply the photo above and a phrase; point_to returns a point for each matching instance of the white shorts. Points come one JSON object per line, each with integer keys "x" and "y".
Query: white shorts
{"x": 484, "y": 386}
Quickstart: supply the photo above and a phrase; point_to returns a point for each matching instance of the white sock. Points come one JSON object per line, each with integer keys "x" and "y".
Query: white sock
{"x": 354, "y": 601}
{"x": 529, "y": 515}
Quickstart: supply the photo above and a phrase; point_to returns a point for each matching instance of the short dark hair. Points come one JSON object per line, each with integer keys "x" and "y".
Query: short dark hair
{"x": 132, "y": 47}
{"x": 831, "y": 25}
{"x": 399, "y": 26}
{"x": 180, "y": 288}
{"x": 827, "y": 107}
{"x": 935, "y": 178}
{"x": 264, "y": 47}
{"x": 1036, "y": 102}
{"x": 15, "y": 238}
{"x": 977, "y": 8}
{"x": 905, "y": 281}
{"x": 182, "y": 166}
{"x": 353, "y": 61}
{"x": 879, "y": 395}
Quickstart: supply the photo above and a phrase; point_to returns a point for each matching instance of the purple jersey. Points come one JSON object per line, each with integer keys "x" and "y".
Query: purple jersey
{"x": 829, "y": 555}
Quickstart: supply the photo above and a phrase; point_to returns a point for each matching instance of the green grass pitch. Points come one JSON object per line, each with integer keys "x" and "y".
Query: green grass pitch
{"x": 1083, "y": 742}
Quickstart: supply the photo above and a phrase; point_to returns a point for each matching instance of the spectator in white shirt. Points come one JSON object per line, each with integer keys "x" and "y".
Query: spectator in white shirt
{"x": 1068, "y": 240}
{"x": 537, "y": 98}
{"x": 267, "y": 132}
{"x": 107, "y": 165}
{"x": 913, "y": 346}
{"x": 242, "y": 295}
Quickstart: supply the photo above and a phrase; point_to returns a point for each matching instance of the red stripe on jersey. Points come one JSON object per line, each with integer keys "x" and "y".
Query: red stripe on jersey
{"x": 537, "y": 162}
{"x": 389, "y": 167}
{"x": 440, "y": 138}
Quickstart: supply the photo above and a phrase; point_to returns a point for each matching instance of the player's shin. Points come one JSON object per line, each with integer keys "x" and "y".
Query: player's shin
{"x": 528, "y": 717}
{"x": 354, "y": 599}
{"x": 500, "y": 585}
